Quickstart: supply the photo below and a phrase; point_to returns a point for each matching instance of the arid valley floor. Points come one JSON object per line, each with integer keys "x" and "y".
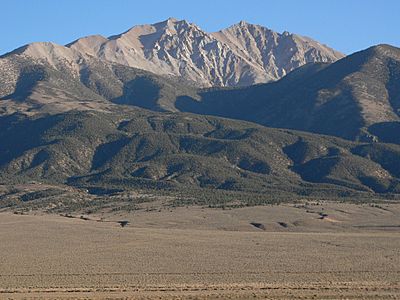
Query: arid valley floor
{"x": 302, "y": 251}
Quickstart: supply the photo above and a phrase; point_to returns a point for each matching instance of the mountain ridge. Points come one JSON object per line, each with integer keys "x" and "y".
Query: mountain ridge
{"x": 345, "y": 98}
{"x": 180, "y": 48}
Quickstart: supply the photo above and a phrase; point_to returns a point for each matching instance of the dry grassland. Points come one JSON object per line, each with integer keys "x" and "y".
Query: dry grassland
{"x": 346, "y": 252}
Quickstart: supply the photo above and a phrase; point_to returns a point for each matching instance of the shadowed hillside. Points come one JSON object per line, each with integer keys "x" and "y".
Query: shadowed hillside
{"x": 138, "y": 149}
{"x": 356, "y": 98}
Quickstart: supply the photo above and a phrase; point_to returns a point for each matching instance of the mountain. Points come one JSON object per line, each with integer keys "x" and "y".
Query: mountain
{"x": 241, "y": 55}
{"x": 278, "y": 54}
{"x": 356, "y": 98}
{"x": 48, "y": 78}
{"x": 192, "y": 155}
{"x": 81, "y": 117}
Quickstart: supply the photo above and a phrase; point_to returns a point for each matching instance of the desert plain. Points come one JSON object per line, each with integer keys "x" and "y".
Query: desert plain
{"x": 289, "y": 251}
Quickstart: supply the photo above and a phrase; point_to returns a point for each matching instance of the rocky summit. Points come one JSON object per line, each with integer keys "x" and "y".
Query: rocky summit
{"x": 240, "y": 55}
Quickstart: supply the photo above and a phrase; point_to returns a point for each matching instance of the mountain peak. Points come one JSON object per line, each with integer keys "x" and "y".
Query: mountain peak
{"x": 172, "y": 19}
{"x": 242, "y": 24}
{"x": 385, "y": 49}
{"x": 90, "y": 39}
{"x": 49, "y": 51}
{"x": 168, "y": 22}
{"x": 247, "y": 26}
{"x": 260, "y": 46}
{"x": 171, "y": 23}
{"x": 145, "y": 29}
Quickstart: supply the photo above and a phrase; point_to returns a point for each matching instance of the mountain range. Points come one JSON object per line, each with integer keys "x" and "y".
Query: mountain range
{"x": 240, "y": 55}
{"x": 169, "y": 106}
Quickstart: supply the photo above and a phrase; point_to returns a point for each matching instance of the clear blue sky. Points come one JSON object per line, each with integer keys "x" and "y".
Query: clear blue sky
{"x": 346, "y": 25}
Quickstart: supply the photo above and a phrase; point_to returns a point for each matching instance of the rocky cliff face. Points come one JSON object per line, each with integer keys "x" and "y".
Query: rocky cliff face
{"x": 277, "y": 54}
{"x": 175, "y": 48}
{"x": 241, "y": 55}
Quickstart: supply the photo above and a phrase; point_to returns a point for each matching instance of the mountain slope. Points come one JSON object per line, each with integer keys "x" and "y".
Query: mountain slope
{"x": 356, "y": 97}
{"x": 61, "y": 79}
{"x": 141, "y": 149}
